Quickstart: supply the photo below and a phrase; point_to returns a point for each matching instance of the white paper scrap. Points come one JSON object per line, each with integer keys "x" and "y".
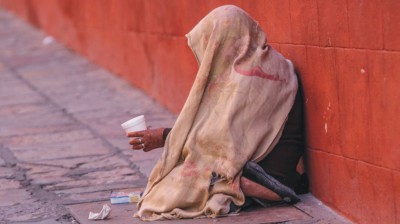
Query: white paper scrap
{"x": 105, "y": 211}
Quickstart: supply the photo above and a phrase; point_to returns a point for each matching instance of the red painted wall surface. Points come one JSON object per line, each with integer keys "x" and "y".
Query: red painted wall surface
{"x": 347, "y": 53}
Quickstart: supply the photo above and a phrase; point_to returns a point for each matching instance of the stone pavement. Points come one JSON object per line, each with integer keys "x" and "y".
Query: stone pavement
{"x": 62, "y": 150}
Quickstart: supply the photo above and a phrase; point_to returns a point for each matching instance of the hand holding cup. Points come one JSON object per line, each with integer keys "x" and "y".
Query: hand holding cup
{"x": 142, "y": 137}
{"x": 147, "y": 139}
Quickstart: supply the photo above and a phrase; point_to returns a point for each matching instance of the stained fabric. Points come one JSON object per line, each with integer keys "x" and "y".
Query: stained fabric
{"x": 235, "y": 112}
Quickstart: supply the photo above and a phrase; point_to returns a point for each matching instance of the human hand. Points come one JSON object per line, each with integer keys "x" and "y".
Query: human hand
{"x": 147, "y": 139}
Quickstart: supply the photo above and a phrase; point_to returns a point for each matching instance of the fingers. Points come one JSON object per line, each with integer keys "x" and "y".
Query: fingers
{"x": 146, "y": 149}
{"x": 146, "y": 140}
{"x": 136, "y": 141}
{"x": 138, "y": 144}
{"x": 138, "y": 147}
{"x": 137, "y": 133}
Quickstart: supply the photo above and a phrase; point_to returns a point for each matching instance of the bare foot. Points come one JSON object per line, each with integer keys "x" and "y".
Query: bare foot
{"x": 253, "y": 189}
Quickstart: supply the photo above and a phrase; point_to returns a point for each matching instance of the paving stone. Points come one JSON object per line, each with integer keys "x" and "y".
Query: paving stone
{"x": 27, "y": 209}
{"x": 139, "y": 155}
{"x": 2, "y": 68}
{"x": 26, "y": 55}
{"x": 71, "y": 163}
{"x": 58, "y": 73}
{"x": 11, "y": 197}
{"x": 92, "y": 196}
{"x": 51, "y": 221}
{"x": 115, "y": 173}
{"x": 103, "y": 162}
{"x": 45, "y": 175}
{"x": 86, "y": 116}
{"x": 33, "y": 118}
{"x": 21, "y": 217}
{"x": 122, "y": 213}
{"x": 63, "y": 150}
{"x": 43, "y": 139}
{"x": 17, "y": 131}
{"x": 7, "y": 184}
{"x": 109, "y": 126}
{"x": 57, "y": 86}
{"x": 146, "y": 166}
{"x": 13, "y": 88}
{"x": 13, "y": 91}
{"x": 320, "y": 212}
{"x": 87, "y": 197}
{"x": 37, "y": 168}
{"x": 121, "y": 142}
{"x": 139, "y": 186}
{"x": 78, "y": 101}
{"x": 6, "y": 172}
{"x": 25, "y": 110}
{"x": 43, "y": 180}
{"x": 121, "y": 182}
{"x": 43, "y": 115}
{"x": 22, "y": 98}
{"x": 6, "y": 77}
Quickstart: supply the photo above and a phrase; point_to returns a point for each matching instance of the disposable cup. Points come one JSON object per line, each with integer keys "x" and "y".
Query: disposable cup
{"x": 135, "y": 124}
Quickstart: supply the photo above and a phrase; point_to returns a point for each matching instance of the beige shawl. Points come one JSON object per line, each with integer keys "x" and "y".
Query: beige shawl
{"x": 234, "y": 113}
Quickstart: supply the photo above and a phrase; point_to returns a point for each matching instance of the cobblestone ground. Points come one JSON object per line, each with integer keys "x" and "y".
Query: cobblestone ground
{"x": 60, "y": 137}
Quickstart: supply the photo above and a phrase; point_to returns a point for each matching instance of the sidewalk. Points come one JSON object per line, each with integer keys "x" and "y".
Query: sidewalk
{"x": 62, "y": 150}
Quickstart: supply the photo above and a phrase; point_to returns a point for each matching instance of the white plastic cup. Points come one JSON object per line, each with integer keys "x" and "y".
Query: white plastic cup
{"x": 135, "y": 124}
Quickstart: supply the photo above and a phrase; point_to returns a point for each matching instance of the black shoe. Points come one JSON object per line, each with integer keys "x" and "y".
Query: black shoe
{"x": 256, "y": 173}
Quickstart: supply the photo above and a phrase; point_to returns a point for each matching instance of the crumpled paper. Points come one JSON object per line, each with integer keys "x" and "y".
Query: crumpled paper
{"x": 105, "y": 211}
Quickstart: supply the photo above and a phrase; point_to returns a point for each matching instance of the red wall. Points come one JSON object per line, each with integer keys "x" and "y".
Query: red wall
{"x": 347, "y": 53}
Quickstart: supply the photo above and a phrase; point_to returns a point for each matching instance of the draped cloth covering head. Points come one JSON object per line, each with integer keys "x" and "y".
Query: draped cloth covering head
{"x": 235, "y": 112}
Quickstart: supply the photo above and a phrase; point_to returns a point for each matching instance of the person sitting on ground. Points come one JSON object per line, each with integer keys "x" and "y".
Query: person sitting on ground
{"x": 239, "y": 134}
